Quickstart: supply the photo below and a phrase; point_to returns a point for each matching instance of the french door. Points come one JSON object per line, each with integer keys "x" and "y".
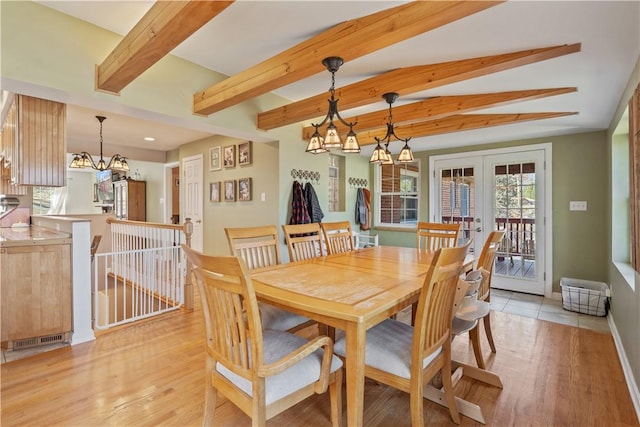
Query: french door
{"x": 499, "y": 190}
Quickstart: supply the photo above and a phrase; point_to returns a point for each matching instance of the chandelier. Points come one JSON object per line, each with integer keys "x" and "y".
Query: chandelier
{"x": 84, "y": 159}
{"x": 382, "y": 154}
{"x": 318, "y": 144}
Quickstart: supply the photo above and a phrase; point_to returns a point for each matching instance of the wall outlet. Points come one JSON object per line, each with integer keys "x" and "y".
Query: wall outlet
{"x": 577, "y": 205}
{"x": 263, "y": 196}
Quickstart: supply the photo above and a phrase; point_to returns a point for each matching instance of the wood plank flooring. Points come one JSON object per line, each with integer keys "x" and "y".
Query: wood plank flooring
{"x": 152, "y": 373}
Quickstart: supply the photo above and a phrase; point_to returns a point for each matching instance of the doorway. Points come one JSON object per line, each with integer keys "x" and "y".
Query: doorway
{"x": 506, "y": 189}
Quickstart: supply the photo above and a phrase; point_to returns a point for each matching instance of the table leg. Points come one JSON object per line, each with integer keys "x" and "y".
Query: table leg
{"x": 355, "y": 335}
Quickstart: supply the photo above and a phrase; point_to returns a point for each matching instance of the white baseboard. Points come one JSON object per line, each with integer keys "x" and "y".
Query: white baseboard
{"x": 626, "y": 367}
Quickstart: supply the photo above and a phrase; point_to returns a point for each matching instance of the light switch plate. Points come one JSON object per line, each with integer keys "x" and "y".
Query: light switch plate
{"x": 577, "y": 205}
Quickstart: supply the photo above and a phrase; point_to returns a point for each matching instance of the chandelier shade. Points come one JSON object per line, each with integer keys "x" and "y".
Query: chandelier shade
{"x": 317, "y": 143}
{"x": 383, "y": 155}
{"x": 84, "y": 160}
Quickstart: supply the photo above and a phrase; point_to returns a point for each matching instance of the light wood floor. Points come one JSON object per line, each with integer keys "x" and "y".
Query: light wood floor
{"x": 152, "y": 374}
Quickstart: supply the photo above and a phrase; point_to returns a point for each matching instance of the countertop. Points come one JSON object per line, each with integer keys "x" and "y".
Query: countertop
{"x": 32, "y": 235}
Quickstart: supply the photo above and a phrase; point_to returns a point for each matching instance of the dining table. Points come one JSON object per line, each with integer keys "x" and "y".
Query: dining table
{"x": 352, "y": 292}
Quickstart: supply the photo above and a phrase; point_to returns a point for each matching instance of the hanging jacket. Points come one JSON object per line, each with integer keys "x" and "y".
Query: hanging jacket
{"x": 361, "y": 208}
{"x": 313, "y": 205}
{"x": 367, "y": 202}
{"x": 299, "y": 214}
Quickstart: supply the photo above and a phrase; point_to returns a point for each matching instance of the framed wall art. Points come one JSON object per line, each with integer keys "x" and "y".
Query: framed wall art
{"x": 244, "y": 153}
{"x": 214, "y": 191}
{"x": 244, "y": 189}
{"x": 215, "y": 163}
{"x": 230, "y": 191}
{"x": 229, "y": 153}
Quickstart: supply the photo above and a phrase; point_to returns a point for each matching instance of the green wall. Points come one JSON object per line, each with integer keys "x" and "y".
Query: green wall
{"x": 625, "y": 296}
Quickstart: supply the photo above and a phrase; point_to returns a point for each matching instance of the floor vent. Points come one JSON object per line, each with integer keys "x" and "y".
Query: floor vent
{"x": 32, "y": 342}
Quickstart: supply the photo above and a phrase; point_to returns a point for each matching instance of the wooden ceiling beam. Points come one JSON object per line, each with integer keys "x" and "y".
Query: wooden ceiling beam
{"x": 161, "y": 29}
{"x": 407, "y": 81}
{"x": 349, "y": 40}
{"x": 441, "y": 106}
{"x": 458, "y": 123}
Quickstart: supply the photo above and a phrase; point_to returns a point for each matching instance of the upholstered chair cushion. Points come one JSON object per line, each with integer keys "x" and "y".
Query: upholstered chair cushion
{"x": 278, "y": 319}
{"x": 389, "y": 346}
{"x": 278, "y": 344}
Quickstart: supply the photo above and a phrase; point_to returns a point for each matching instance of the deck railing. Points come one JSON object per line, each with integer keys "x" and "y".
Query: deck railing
{"x": 145, "y": 273}
{"x": 519, "y": 236}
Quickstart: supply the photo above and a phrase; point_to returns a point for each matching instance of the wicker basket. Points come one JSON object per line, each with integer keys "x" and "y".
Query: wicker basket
{"x": 585, "y": 296}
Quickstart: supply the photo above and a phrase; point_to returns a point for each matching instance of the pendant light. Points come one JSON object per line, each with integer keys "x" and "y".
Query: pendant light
{"x": 382, "y": 154}
{"x": 84, "y": 159}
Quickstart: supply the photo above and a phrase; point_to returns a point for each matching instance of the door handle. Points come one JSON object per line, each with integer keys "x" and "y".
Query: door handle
{"x": 478, "y": 230}
{"x": 198, "y": 221}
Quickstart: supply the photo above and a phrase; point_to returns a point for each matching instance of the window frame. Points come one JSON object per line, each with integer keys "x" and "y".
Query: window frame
{"x": 379, "y": 194}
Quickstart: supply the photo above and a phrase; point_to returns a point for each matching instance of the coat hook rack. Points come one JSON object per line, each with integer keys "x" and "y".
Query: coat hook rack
{"x": 358, "y": 182}
{"x": 304, "y": 175}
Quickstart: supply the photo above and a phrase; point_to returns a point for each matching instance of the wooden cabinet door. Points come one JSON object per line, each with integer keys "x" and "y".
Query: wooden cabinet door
{"x": 36, "y": 291}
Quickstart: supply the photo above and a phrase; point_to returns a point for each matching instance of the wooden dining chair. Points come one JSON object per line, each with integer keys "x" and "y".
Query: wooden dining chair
{"x": 485, "y": 266}
{"x": 304, "y": 241}
{"x": 259, "y": 248}
{"x": 431, "y": 236}
{"x": 338, "y": 236}
{"x": 262, "y": 372}
{"x": 408, "y": 357}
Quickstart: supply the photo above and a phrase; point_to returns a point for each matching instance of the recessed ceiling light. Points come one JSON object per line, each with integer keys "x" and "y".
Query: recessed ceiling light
{"x": 149, "y": 138}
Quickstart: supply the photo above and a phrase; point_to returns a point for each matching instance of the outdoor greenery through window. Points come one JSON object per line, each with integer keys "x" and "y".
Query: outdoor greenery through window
{"x": 399, "y": 194}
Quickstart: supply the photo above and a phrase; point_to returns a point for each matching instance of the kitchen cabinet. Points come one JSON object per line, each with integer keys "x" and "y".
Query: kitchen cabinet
{"x": 35, "y": 281}
{"x": 130, "y": 199}
{"x": 34, "y": 143}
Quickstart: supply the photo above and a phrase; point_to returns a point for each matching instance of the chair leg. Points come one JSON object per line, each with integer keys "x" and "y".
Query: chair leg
{"x": 448, "y": 391}
{"x": 335, "y": 396}
{"x": 416, "y": 400}
{"x": 487, "y": 331}
{"x": 210, "y": 395}
{"x": 474, "y": 335}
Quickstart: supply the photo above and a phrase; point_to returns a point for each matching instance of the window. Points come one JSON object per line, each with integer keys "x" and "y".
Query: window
{"x": 42, "y": 197}
{"x": 336, "y": 183}
{"x": 398, "y": 194}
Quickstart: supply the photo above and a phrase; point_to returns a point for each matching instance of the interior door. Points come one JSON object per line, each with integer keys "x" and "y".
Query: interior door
{"x": 192, "y": 189}
{"x": 498, "y": 190}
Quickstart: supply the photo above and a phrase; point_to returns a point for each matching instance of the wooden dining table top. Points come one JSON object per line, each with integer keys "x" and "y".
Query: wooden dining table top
{"x": 350, "y": 286}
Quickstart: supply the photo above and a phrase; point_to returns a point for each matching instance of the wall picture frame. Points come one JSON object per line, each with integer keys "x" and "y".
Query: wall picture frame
{"x": 214, "y": 191}
{"x": 244, "y": 189}
{"x": 229, "y": 153}
{"x": 244, "y": 153}
{"x": 230, "y": 190}
{"x": 215, "y": 158}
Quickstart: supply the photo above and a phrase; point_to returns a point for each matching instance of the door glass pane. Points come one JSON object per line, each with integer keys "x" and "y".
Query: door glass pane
{"x": 515, "y": 213}
{"x": 457, "y": 200}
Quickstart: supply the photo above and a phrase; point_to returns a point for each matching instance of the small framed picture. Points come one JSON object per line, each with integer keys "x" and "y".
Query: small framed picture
{"x": 229, "y": 156}
{"x": 244, "y": 189}
{"x": 214, "y": 191}
{"x": 214, "y": 159}
{"x": 244, "y": 153}
{"x": 230, "y": 191}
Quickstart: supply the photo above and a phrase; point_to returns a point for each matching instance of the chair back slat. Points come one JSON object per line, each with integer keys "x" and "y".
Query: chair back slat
{"x": 338, "y": 237}
{"x": 431, "y": 236}
{"x": 486, "y": 261}
{"x": 434, "y": 313}
{"x": 304, "y": 241}
{"x": 230, "y": 310}
{"x": 257, "y": 246}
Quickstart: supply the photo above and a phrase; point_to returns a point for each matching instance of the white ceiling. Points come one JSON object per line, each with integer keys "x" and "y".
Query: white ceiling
{"x": 249, "y": 32}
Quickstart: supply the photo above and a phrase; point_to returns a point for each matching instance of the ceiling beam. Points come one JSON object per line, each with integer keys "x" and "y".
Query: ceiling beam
{"x": 161, "y": 29}
{"x": 457, "y": 123}
{"x": 406, "y": 81}
{"x": 349, "y": 40}
{"x": 441, "y": 106}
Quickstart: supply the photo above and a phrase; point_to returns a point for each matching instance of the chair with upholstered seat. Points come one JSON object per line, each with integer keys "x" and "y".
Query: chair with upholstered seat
{"x": 261, "y": 372}
{"x": 338, "y": 236}
{"x": 432, "y": 235}
{"x": 406, "y": 357}
{"x": 259, "y": 248}
{"x": 485, "y": 266}
{"x": 304, "y": 241}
